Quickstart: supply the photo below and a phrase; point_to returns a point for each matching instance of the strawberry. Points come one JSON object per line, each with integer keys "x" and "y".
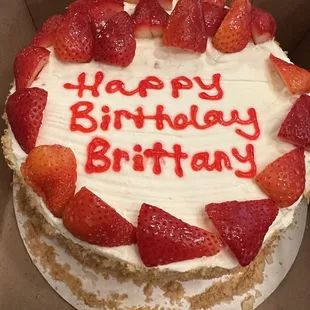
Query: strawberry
{"x": 296, "y": 79}
{"x": 28, "y": 63}
{"x": 284, "y": 179}
{"x": 213, "y": 17}
{"x": 163, "y": 239}
{"x": 45, "y": 36}
{"x": 235, "y": 31}
{"x": 150, "y": 19}
{"x": 73, "y": 40}
{"x": 82, "y": 6}
{"x": 296, "y": 127}
{"x": 186, "y": 27}
{"x": 220, "y": 3}
{"x": 50, "y": 170}
{"x": 263, "y": 26}
{"x": 165, "y": 4}
{"x": 24, "y": 110}
{"x": 243, "y": 225}
{"x": 115, "y": 43}
{"x": 90, "y": 219}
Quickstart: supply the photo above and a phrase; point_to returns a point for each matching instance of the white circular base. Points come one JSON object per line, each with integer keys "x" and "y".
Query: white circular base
{"x": 283, "y": 259}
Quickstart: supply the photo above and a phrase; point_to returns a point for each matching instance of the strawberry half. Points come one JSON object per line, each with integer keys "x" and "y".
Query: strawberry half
{"x": 284, "y": 179}
{"x": 165, "y": 4}
{"x": 263, "y": 26}
{"x": 24, "y": 110}
{"x": 213, "y": 17}
{"x": 90, "y": 219}
{"x": 219, "y": 3}
{"x": 115, "y": 43}
{"x": 150, "y": 19}
{"x": 243, "y": 225}
{"x": 163, "y": 239}
{"x": 27, "y": 65}
{"x": 82, "y": 6}
{"x": 296, "y": 79}
{"x": 186, "y": 27}
{"x": 235, "y": 31}
{"x": 50, "y": 170}
{"x": 74, "y": 39}
{"x": 45, "y": 36}
{"x": 296, "y": 127}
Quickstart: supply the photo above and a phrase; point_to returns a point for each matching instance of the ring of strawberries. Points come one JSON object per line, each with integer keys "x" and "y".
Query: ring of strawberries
{"x": 91, "y": 29}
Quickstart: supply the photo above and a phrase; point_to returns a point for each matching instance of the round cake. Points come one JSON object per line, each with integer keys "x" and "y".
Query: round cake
{"x": 160, "y": 159}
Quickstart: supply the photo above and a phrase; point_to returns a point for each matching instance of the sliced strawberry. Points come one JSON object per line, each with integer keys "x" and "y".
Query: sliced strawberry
{"x": 45, "y": 36}
{"x": 90, "y": 219}
{"x": 82, "y": 6}
{"x": 115, "y": 44}
{"x": 284, "y": 179}
{"x": 165, "y": 4}
{"x": 150, "y": 19}
{"x": 28, "y": 63}
{"x": 296, "y": 127}
{"x": 213, "y": 17}
{"x": 296, "y": 79}
{"x": 235, "y": 30}
{"x": 186, "y": 27}
{"x": 219, "y": 3}
{"x": 243, "y": 225}
{"x": 24, "y": 110}
{"x": 74, "y": 39}
{"x": 263, "y": 26}
{"x": 50, "y": 170}
{"x": 163, "y": 239}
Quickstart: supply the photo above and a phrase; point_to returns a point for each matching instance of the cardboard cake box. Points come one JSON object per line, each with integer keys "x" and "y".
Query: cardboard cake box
{"x": 21, "y": 285}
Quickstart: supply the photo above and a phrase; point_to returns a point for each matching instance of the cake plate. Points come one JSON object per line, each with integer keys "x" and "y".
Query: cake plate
{"x": 110, "y": 291}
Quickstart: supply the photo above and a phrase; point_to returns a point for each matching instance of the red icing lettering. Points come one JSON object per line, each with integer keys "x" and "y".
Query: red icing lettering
{"x": 106, "y": 119}
{"x": 81, "y": 87}
{"x": 201, "y": 161}
{"x": 248, "y": 158}
{"x": 215, "y": 85}
{"x": 118, "y": 155}
{"x": 80, "y": 111}
{"x": 138, "y": 159}
{"x": 181, "y": 82}
{"x": 96, "y": 151}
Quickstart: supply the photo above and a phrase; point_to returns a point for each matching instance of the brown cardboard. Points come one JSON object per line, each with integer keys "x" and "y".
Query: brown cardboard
{"x": 21, "y": 285}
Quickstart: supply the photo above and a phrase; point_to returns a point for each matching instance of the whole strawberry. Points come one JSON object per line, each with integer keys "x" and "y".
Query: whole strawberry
{"x": 243, "y": 225}
{"x": 27, "y": 65}
{"x": 24, "y": 110}
{"x": 90, "y": 219}
{"x": 50, "y": 170}
{"x": 73, "y": 39}
{"x": 115, "y": 43}
{"x": 283, "y": 180}
{"x": 163, "y": 239}
{"x": 235, "y": 31}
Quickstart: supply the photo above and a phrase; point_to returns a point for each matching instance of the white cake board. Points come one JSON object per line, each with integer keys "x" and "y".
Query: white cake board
{"x": 283, "y": 259}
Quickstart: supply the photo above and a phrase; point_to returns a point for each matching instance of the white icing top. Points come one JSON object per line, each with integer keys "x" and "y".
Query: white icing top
{"x": 247, "y": 81}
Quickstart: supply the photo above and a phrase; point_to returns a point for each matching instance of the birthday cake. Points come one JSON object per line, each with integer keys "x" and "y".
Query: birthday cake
{"x": 160, "y": 146}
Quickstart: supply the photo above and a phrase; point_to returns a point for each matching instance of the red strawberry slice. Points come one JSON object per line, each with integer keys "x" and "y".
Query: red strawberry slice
{"x": 115, "y": 44}
{"x": 284, "y": 179}
{"x": 24, "y": 110}
{"x": 50, "y": 170}
{"x": 220, "y": 3}
{"x": 296, "y": 127}
{"x": 45, "y": 36}
{"x": 235, "y": 30}
{"x": 263, "y": 26}
{"x": 150, "y": 19}
{"x": 163, "y": 239}
{"x": 243, "y": 225}
{"x": 213, "y": 17}
{"x": 82, "y": 6}
{"x": 165, "y": 4}
{"x": 296, "y": 79}
{"x": 74, "y": 39}
{"x": 90, "y": 219}
{"x": 186, "y": 27}
{"x": 28, "y": 63}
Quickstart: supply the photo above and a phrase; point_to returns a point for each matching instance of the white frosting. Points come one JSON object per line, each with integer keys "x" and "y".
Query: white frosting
{"x": 247, "y": 80}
